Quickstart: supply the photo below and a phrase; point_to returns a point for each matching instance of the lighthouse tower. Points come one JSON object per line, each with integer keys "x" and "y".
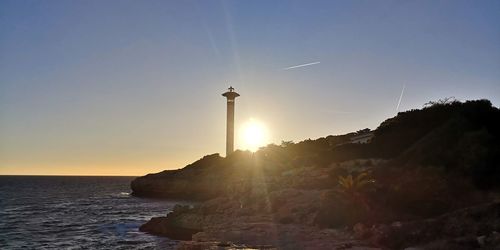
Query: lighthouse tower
{"x": 231, "y": 96}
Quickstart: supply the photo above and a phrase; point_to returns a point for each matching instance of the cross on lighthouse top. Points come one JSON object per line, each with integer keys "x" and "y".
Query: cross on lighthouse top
{"x": 230, "y": 94}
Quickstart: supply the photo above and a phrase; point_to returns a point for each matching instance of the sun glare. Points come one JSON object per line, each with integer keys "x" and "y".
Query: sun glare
{"x": 253, "y": 135}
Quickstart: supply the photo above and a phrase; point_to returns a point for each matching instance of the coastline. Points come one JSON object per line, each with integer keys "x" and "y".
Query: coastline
{"x": 428, "y": 178}
{"x": 220, "y": 223}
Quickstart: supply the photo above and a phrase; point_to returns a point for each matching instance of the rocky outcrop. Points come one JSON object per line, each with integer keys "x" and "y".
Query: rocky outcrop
{"x": 201, "y": 245}
{"x": 420, "y": 167}
{"x": 468, "y": 228}
{"x": 180, "y": 224}
{"x": 285, "y": 220}
{"x": 168, "y": 228}
{"x": 282, "y": 220}
{"x": 197, "y": 181}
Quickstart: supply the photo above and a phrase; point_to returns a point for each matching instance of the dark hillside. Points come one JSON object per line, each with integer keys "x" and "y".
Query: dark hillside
{"x": 461, "y": 138}
{"x": 419, "y": 167}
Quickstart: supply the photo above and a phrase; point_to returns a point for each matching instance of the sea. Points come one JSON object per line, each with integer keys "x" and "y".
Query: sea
{"x": 77, "y": 212}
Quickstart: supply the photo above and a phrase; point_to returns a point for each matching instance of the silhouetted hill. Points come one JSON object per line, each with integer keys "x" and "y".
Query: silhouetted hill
{"x": 462, "y": 137}
{"x": 191, "y": 182}
{"x": 418, "y": 168}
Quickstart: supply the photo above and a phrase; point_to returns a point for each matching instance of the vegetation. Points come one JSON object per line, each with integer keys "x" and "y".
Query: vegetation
{"x": 353, "y": 185}
{"x": 420, "y": 163}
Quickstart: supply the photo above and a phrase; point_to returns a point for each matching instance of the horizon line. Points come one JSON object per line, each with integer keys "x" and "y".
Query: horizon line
{"x": 62, "y": 175}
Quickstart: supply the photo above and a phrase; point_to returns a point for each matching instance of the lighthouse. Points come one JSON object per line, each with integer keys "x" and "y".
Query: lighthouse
{"x": 231, "y": 96}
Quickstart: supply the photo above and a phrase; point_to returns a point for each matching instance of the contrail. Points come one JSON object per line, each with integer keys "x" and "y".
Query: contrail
{"x": 400, "y": 97}
{"x": 301, "y": 65}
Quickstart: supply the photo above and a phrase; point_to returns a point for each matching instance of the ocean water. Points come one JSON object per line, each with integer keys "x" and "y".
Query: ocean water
{"x": 54, "y": 212}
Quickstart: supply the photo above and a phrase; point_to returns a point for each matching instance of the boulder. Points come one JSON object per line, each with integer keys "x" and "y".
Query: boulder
{"x": 165, "y": 227}
{"x": 456, "y": 230}
{"x": 180, "y": 224}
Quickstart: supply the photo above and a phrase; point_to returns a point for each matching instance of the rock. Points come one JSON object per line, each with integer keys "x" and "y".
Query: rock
{"x": 396, "y": 224}
{"x": 481, "y": 240}
{"x": 180, "y": 224}
{"x": 224, "y": 244}
{"x": 455, "y": 230}
{"x": 164, "y": 227}
{"x": 381, "y": 234}
{"x": 492, "y": 241}
{"x": 284, "y": 215}
{"x": 193, "y": 245}
{"x": 181, "y": 208}
{"x": 220, "y": 221}
{"x": 221, "y": 205}
{"x": 361, "y": 231}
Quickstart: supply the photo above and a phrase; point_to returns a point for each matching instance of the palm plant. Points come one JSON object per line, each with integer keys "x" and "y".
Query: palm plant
{"x": 353, "y": 187}
{"x": 350, "y": 184}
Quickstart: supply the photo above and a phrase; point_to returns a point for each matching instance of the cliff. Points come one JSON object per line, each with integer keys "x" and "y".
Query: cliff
{"x": 197, "y": 181}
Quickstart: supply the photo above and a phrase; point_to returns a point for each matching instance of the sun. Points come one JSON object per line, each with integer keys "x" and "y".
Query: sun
{"x": 254, "y": 135}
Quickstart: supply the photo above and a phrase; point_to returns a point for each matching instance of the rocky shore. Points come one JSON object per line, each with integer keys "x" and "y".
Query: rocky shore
{"x": 429, "y": 179}
{"x": 221, "y": 223}
{"x": 225, "y": 222}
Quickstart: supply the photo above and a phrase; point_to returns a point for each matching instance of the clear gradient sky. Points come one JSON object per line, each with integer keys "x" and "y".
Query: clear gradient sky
{"x": 133, "y": 87}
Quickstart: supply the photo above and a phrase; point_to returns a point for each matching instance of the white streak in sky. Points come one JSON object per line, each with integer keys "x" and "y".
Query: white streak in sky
{"x": 301, "y": 65}
{"x": 400, "y": 97}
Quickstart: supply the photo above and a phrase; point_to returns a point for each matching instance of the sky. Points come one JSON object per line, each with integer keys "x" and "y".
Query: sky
{"x": 134, "y": 87}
